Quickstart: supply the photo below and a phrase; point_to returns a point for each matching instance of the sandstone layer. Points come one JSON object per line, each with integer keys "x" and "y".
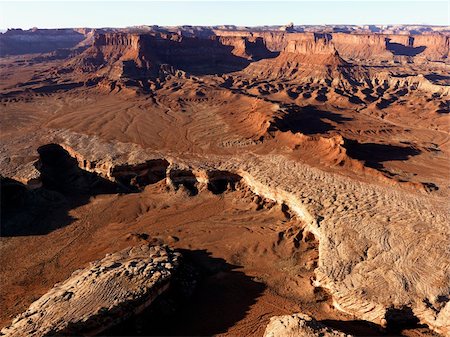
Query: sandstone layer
{"x": 299, "y": 325}
{"x": 333, "y": 209}
{"x": 109, "y": 290}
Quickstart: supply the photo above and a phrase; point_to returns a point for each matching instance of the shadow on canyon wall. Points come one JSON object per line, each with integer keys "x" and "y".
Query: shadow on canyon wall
{"x": 207, "y": 297}
{"x": 65, "y": 186}
{"x": 402, "y": 50}
{"x": 210, "y": 56}
{"x": 398, "y": 319}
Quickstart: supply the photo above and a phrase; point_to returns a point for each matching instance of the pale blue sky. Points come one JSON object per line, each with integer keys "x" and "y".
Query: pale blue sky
{"x": 59, "y": 14}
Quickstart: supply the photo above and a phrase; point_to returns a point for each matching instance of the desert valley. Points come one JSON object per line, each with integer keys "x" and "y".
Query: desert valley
{"x": 232, "y": 181}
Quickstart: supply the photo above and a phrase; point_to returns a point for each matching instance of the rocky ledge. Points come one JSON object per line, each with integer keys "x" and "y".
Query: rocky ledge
{"x": 299, "y": 325}
{"x": 97, "y": 297}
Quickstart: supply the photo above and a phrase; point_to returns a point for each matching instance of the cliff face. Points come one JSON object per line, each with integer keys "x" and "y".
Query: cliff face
{"x": 142, "y": 55}
{"x": 437, "y": 46}
{"x": 374, "y": 47}
{"x": 368, "y": 47}
{"x": 123, "y": 54}
{"x": 246, "y": 44}
{"x": 119, "y": 55}
{"x": 116, "y": 39}
{"x": 251, "y": 48}
{"x": 309, "y": 56}
{"x": 314, "y": 49}
{"x": 198, "y": 55}
{"x": 274, "y": 40}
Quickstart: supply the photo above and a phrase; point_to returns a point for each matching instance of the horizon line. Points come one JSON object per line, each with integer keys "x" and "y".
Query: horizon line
{"x": 235, "y": 25}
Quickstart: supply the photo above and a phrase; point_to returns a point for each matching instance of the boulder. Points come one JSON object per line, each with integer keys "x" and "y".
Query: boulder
{"x": 100, "y": 295}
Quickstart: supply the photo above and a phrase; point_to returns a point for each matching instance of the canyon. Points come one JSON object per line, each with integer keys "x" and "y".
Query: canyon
{"x": 297, "y": 177}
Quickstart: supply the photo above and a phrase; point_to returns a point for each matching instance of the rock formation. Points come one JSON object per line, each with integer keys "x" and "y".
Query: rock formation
{"x": 143, "y": 56}
{"x": 310, "y": 56}
{"x": 362, "y": 47}
{"x": 366, "y": 47}
{"x": 299, "y": 325}
{"x": 94, "y": 298}
{"x": 332, "y": 206}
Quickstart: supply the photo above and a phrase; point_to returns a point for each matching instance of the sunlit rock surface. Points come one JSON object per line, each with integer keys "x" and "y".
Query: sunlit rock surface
{"x": 94, "y": 298}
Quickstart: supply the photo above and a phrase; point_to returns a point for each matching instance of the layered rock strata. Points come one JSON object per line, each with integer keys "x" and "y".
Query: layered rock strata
{"x": 368, "y": 47}
{"x": 92, "y": 299}
{"x": 299, "y": 325}
{"x": 371, "y": 236}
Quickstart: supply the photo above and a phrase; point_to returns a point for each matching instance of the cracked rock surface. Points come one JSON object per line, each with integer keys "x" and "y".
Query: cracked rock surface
{"x": 299, "y": 325}
{"x": 95, "y": 297}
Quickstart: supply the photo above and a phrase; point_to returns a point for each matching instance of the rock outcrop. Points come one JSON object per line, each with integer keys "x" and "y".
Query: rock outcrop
{"x": 380, "y": 47}
{"x": 350, "y": 268}
{"x": 436, "y": 314}
{"x": 357, "y": 225}
{"x": 368, "y": 47}
{"x": 299, "y": 325}
{"x": 142, "y": 56}
{"x": 437, "y": 46}
{"x": 118, "y": 55}
{"x": 311, "y": 56}
{"x": 250, "y": 48}
{"x": 375, "y": 47}
{"x": 316, "y": 49}
{"x": 94, "y": 298}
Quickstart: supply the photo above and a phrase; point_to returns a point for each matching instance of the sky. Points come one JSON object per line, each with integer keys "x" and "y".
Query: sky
{"x": 64, "y": 14}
